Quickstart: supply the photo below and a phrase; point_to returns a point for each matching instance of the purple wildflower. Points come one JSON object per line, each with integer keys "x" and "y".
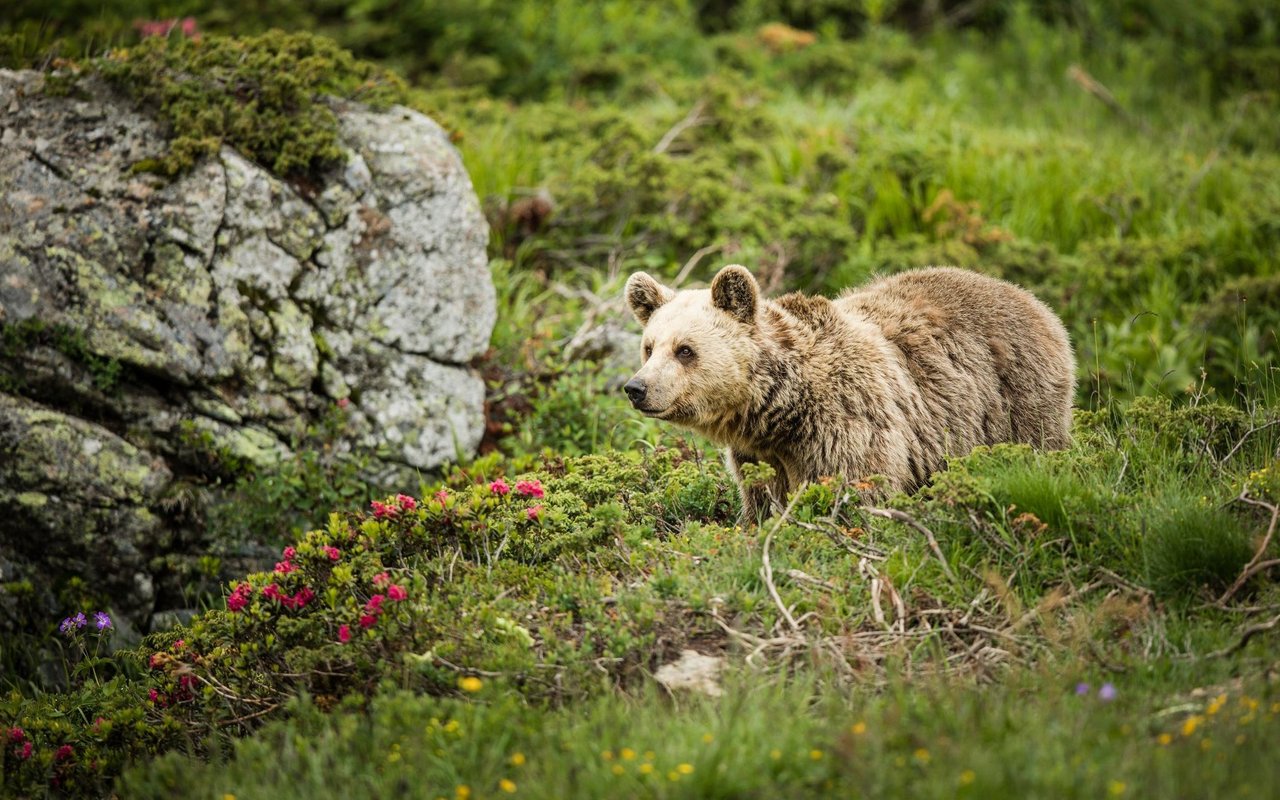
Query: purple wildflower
{"x": 67, "y": 626}
{"x": 101, "y": 621}
{"x": 1082, "y": 689}
{"x": 80, "y": 620}
{"x": 1107, "y": 692}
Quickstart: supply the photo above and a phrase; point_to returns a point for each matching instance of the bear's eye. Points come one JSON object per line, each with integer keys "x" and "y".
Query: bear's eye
{"x": 648, "y": 351}
{"x": 684, "y": 352}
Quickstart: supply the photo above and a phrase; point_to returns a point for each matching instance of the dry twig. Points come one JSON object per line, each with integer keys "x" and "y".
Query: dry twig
{"x": 766, "y": 569}
{"x": 1245, "y": 635}
{"x": 1256, "y": 564}
{"x": 692, "y": 119}
{"x": 1091, "y": 85}
{"x": 905, "y": 518}
{"x": 693, "y": 262}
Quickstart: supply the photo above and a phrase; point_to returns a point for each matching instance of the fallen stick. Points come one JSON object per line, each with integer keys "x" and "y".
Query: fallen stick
{"x": 693, "y": 118}
{"x": 1256, "y": 564}
{"x": 1092, "y": 86}
{"x": 766, "y": 569}
{"x": 906, "y": 519}
{"x": 1245, "y": 636}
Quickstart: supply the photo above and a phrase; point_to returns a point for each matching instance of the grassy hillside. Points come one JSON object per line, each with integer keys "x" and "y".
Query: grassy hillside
{"x": 1096, "y": 622}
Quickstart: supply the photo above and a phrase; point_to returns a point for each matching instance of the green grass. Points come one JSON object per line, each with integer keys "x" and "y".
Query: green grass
{"x": 1033, "y": 736}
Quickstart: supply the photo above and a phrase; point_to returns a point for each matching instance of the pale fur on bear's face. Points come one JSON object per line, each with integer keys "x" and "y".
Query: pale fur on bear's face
{"x": 698, "y": 347}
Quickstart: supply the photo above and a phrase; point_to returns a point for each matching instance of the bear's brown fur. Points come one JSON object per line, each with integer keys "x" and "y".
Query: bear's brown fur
{"x": 888, "y": 379}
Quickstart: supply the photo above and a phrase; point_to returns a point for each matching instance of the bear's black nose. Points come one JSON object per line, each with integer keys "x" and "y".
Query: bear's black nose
{"x": 635, "y": 390}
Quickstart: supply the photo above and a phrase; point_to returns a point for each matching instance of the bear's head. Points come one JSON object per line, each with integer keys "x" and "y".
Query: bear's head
{"x": 698, "y": 347}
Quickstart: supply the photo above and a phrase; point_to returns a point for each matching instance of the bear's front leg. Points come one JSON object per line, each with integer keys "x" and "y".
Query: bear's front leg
{"x": 756, "y": 499}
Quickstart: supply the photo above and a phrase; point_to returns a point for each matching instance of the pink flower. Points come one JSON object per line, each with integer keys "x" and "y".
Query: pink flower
{"x": 396, "y": 593}
{"x": 163, "y": 27}
{"x": 382, "y": 510}
{"x": 381, "y": 579}
{"x": 374, "y": 606}
{"x": 26, "y": 751}
{"x": 304, "y": 596}
{"x": 533, "y": 512}
{"x": 17, "y": 734}
{"x": 406, "y": 502}
{"x": 181, "y": 643}
{"x": 239, "y": 598}
{"x": 272, "y": 592}
{"x": 343, "y": 402}
{"x": 344, "y": 633}
{"x": 442, "y": 496}
{"x": 367, "y": 621}
{"x": 63, "y": 753}
{"x": 299, "y": 600}
{"x": 530, "y": 488}
{"x": 332, "y": 552}
{"x": 289, "y": 554}
{"x": 285, "y": 567}
{"x": 499, "y": 487}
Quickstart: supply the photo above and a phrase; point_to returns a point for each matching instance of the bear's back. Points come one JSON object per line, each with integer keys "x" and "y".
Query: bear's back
{"x": 991, "y": 361}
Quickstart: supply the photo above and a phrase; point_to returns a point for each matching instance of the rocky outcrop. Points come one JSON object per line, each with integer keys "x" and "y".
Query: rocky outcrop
{"x": 225, "y": 307}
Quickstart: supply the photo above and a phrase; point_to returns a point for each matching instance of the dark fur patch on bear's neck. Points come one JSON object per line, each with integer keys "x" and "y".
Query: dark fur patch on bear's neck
{"x": 780, "y": 415}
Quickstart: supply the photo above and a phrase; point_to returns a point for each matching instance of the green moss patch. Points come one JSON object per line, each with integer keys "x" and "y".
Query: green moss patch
{"x": 262, "y": 95}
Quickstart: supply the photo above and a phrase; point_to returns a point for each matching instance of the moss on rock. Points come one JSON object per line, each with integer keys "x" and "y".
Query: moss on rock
{"x": 261, "y": 95}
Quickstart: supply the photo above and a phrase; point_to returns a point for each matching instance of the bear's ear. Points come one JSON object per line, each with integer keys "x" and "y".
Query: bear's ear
{"x": 645, "y": 296}
{"x": 734, "y": 290}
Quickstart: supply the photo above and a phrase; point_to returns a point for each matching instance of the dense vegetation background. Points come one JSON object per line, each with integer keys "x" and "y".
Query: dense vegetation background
{"x": 1093, "y": 622}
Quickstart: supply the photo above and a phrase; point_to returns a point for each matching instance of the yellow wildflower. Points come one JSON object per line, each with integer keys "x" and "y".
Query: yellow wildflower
{"x": 922, "y": 755}
{"x": 673, "y": 775}
{"x": 452, "y": 726}
{"x": 775, "y": 754}
{"x": 627, "y": 753}
{"x": 508, "y": 786}
{"x": 1116, "y": 788}
{"x": 1190, "y": 724}
{"x": 517, "y": 759}
{"x": 618, "y": 769}
{"x": 708, "y": 738}
{"x": 463, "y": 792}
{"x": 607, "y": 755}
{"x": 859, "y": 728}
{"x": 1216, "y": 705}
{"x": 1164, "y": 739}
{"x": 967, "y": 777}
{"x": 228, "y": 796}
{"x": 645, "y": 769}
{"x": 816, "y": 755}
{"x": 470, "y": 684}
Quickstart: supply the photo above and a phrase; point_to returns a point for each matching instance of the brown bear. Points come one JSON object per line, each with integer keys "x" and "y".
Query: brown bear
{"x": 888, "y": 379}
